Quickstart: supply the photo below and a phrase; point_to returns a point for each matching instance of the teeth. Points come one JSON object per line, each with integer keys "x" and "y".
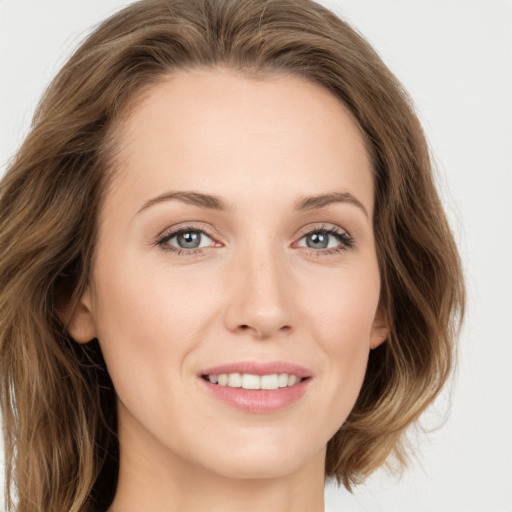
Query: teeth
{"x": 269, "y": 381}
{"x": 235, "y": 380}
{"x": 249, "y": 381}
{"x": 282, "y": 380}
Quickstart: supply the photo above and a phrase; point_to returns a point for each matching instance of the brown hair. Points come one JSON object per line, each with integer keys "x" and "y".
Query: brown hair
{"x": 57, "y": 399}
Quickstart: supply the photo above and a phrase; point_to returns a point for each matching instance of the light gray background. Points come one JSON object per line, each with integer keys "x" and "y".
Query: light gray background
{"x": 455, "y": 58}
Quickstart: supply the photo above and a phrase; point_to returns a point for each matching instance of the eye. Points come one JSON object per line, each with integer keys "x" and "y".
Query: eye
{"x": 326, "y": 240}
{"x": 185, "y": 240}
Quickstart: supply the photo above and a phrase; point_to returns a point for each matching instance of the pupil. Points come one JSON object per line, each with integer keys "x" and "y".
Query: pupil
{"x": 189, "y": 239}
{"x": 318, "y": 240}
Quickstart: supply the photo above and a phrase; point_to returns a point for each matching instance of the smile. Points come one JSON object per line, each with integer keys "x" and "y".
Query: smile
{"x": 250, "y": 381}
{"x": 257, "y": 387}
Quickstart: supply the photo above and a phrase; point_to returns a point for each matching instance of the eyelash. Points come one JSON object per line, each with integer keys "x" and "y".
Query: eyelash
{"x": 346, "y": 241}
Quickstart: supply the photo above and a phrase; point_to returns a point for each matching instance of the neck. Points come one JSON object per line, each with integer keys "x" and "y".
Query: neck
{"x": 154, "y": 479}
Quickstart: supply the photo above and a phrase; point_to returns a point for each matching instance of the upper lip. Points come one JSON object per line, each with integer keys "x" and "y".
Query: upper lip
{"x": 259, "y": 368}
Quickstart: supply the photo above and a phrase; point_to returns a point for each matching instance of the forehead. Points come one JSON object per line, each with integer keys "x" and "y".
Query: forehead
{"x": 222, "y": 132}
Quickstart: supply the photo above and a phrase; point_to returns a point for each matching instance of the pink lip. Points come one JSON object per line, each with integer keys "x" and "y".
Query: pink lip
{"x": 256, "y": 368}
{"x": 258, "y": 401}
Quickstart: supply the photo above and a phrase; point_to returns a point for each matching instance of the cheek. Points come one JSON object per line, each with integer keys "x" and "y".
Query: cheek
{"x": 342, "y": 318}
{"x": 346, "y": 341}
{"x": 148, "y": 319}
{"x": 343, "y": 309}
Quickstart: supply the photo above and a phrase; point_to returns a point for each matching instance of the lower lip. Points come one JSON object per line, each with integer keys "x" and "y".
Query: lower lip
{"x": 258, "y": 401}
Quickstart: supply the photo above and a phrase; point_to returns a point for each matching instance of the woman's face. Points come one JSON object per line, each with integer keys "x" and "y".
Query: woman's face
{"x": 236, "y": 240}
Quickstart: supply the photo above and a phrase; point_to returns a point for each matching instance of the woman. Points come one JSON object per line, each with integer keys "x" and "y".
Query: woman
{"x": 226, "y": 273}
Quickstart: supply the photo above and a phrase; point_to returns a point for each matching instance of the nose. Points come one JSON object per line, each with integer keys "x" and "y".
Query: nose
{"x": 260, "y": 295}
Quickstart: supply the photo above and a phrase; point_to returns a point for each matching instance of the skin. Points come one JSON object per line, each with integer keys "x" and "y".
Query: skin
{"x": 254, "y": 291}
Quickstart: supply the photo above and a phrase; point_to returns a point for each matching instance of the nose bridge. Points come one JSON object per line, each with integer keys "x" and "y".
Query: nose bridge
{"x": 259, "y": 297}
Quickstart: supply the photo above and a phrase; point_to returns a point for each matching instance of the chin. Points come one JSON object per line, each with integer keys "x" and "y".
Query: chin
{"x": 258, "y": 470}
{"x": 265, "y": 460}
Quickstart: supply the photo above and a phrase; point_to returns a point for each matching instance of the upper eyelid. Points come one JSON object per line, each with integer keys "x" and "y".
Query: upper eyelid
{"x": 171, "y": 232}
{"x": 333, "y": 228}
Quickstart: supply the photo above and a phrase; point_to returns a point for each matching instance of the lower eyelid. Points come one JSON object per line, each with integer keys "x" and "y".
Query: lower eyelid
{"x": 339, "y": 234}
{"x": 164, "y": 240}
{"x": 345, "y": 241}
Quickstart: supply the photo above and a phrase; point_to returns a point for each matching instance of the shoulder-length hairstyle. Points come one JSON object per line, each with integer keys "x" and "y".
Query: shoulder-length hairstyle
{"x": 58, "y": 403}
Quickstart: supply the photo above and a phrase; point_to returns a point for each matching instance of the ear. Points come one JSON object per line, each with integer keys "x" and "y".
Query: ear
{"x": 380, "y": 327}
{"x": 79, "y": 320}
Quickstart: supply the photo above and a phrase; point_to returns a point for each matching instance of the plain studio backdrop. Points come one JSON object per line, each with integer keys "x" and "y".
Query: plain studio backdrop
{"x": 455, "y": 59}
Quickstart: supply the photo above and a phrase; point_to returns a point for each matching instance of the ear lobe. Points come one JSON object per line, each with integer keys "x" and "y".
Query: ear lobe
{"x": 380, "y": 328}
{"x": 79, "y": 320}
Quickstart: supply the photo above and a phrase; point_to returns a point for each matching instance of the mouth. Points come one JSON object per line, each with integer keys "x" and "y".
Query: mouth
{"x": 254, "y": 382}
{"x": 256, "y": 387}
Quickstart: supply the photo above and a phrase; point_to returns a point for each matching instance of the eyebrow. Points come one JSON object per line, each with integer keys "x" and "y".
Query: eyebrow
{"x": 321, "y": 200}
{"x": 199, "y": 199}
{"x": 212, "y": 202}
